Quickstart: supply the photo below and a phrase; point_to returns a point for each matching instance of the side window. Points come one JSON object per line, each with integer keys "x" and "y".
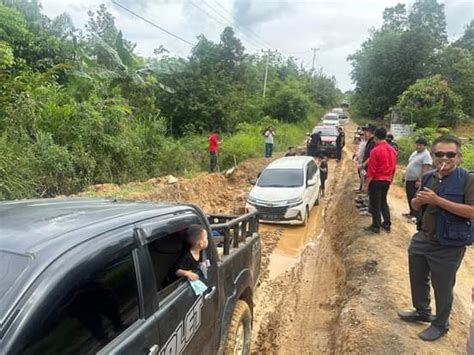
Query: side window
{"x": 311, "y": 170}
{"x": 165, "y": 252}
{"x": 93, "y": 313}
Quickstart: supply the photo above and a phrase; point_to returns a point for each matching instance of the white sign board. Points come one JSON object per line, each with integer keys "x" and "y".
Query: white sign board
{"x": 400, "y": 130}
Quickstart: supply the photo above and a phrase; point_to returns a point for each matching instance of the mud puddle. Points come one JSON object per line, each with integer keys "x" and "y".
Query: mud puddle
{"x": 293, "y": 241}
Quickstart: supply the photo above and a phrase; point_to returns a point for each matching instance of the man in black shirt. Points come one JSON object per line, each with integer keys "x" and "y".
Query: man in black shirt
{"x": 189, "y": 261}
{"x": 340, "y": 142}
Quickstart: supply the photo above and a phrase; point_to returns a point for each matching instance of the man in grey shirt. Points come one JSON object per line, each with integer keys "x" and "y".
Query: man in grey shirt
{"x": 419, "y": 163}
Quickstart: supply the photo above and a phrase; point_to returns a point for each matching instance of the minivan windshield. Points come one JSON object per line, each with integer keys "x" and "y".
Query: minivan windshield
{"x": 326, "y": 131}
{"x": 281, "y": 178}
{"x": 331, "y": 117}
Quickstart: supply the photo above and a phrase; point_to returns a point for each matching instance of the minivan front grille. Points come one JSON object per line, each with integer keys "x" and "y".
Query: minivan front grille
{"x": 271, "y": 213}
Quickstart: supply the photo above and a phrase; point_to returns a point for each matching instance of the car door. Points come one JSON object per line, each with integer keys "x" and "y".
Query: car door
{"x": 312, "y": 191}
{"x": 89, "y": 301}
{"x": 186, "y": 321}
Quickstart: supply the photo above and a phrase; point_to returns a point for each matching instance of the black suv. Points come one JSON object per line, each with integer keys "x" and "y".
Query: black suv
{"x": 89, "y": 276}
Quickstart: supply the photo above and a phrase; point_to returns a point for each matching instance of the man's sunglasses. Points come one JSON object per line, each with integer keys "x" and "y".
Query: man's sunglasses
{"x": 445, "y": 154}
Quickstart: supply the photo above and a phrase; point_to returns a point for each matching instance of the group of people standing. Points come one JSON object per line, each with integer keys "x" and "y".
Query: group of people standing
{"x": 440, "y": 196}
{"x": 376, "y": 165}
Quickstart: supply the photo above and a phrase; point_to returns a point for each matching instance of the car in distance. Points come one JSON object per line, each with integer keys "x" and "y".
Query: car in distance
{"x": 342, "y": 115}
{"x": 328, "y": 137}
{"x": 286, "y": 191}
{"x": 331, "y": 119}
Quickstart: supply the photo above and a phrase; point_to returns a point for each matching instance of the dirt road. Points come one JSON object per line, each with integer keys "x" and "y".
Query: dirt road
{"x": 342, "y": 294}
{"x": 325, "y": 288}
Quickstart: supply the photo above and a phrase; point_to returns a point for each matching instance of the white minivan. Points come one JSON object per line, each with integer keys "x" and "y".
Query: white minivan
{"x": 286, "y": 191}
{"x": 331, "y": 119}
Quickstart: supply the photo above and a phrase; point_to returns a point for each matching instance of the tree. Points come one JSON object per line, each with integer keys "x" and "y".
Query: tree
{"x": 431, "y": 101}
{"x": 398, "y": 54}
{"x": 456, "y": 65}
{"x": 429, "y": 15}
{"x": 467, "y": 39}
{"x": 395, "y": 18}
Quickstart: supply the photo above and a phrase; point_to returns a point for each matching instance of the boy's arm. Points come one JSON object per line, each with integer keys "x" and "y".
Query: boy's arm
{"x": 191, "y": 276}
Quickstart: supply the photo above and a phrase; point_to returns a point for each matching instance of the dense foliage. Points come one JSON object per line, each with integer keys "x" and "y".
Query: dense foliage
{"x": 82, "y": 108}
{"x": 411, "y": 45}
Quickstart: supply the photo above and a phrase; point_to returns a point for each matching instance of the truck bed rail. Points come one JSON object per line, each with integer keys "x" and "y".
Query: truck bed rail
{"x": 233, "y": 229}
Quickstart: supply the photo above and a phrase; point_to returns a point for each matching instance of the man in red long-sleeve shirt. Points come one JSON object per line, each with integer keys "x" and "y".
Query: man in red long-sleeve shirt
{"x": 380, "y": 171}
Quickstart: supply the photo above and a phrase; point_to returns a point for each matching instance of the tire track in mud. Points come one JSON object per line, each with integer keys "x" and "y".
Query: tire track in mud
{"x": 295, "y": 313}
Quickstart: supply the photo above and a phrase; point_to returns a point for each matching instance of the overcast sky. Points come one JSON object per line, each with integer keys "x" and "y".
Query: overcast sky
{"x": 336, "y": 27}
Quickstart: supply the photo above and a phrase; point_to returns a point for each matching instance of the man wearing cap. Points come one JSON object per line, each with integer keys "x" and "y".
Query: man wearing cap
{"x": 418, "y": 164}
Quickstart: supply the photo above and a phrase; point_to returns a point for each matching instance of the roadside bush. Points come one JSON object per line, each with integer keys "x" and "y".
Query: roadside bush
{"x": 431, "y": 102}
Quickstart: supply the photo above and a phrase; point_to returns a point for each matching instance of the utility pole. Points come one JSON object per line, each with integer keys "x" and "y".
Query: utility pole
{"x": 268, "y": 52}
{"x": 314, "y": 57}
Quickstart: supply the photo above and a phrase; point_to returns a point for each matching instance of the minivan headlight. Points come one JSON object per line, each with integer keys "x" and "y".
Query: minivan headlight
{"x": 294, "y": 202}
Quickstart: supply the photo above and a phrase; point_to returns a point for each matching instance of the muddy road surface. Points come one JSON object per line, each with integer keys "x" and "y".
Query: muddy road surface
{"x": 326, "y": 288}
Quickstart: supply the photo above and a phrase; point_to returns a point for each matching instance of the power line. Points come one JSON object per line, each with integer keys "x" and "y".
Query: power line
{"x": 249, "y": 30}
{"x": 256, "y": 45}
{"x": 153, "y": 24}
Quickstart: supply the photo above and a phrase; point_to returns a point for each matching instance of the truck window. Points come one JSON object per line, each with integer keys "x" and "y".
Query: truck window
{"x": 92, "y": 314}
{"x": 164, "y": 253}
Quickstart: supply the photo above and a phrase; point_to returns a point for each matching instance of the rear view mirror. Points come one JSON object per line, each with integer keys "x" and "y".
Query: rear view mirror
{"x": 253, "y": 181}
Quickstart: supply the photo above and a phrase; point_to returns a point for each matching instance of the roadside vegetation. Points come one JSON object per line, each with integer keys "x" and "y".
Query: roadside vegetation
{"x": 409, "y": 66}
{"x": 81, "y": 107}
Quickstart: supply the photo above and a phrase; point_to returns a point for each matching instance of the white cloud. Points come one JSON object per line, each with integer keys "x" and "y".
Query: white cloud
{"x": 337, "y": 27}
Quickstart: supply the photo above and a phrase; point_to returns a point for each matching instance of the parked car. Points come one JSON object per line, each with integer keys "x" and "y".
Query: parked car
{"x": 81, "y": 276}
{"x": 330, "y": 119}
{"x": 343, "y": 116}
{"x": 328, "y": 137}
{"x": 286, "y": 191}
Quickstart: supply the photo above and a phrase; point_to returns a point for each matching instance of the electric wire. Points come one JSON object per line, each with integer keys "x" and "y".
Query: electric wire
{"x": 153, "y": 24}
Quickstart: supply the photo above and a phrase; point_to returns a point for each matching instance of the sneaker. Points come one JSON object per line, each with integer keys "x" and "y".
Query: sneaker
{"x": 371, "y": 230}
{"x": 386, "y": 228}
{"x": 365, "y": 213}
{"x": 365, "y": 208}
{"x": 412, "y": 220}
{"x": 407, "y": 215}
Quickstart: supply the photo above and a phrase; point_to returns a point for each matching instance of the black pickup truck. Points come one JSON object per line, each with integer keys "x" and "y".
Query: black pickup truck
{"x": 89, "y": 276}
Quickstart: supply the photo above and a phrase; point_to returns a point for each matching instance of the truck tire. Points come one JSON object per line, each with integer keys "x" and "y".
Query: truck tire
{"x": 240, "y": 330}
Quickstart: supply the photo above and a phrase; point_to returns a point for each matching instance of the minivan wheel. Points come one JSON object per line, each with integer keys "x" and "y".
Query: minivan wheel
{"x": 240, "y": 330}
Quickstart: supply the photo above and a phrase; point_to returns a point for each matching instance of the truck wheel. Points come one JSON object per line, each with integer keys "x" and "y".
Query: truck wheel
{"x": 240, "y": 329}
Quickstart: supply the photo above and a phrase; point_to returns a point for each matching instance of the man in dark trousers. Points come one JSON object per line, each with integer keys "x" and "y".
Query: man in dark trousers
{"x": 213, "y": 150}
{"x": 446, "y": 204}
{"x": 340, "y": 143}
{"x": 315, "y": 142}
{"x": 381, "y": 168}
{"x": 419, "y": 163}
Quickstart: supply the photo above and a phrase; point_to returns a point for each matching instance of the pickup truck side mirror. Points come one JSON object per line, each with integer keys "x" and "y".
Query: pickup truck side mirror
{"x": 253, "y": 181}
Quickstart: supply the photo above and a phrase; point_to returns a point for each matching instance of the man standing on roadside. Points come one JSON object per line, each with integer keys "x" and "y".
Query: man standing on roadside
{"x": 340, "y": 142}
{"x": 269, "y": 134}
{"x": 446, "y": 204}
{"x": 418, "y": 164}
{"x": 364, "y": 200}
{"x": 213, "y": 149}
{"x": 314, "y": 144}
{"x": 381, "y": 168}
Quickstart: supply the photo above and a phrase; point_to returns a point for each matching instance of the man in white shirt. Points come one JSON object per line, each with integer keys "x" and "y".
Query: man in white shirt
{"x": 269, "y": 134}
{"x": 420, "y": 162}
